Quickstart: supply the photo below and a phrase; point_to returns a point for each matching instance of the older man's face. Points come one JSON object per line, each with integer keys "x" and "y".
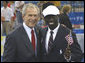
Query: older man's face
{"x": 31, "y": 17}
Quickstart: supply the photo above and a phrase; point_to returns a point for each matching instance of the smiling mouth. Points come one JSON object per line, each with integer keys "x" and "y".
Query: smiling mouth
{"x": 32, "y": 21}
{"x": 51, "y": 23}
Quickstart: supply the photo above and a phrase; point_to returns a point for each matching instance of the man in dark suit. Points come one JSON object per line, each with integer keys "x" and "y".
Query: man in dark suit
{"x": 56, "y": 46}
{"x": 22, "y": 45}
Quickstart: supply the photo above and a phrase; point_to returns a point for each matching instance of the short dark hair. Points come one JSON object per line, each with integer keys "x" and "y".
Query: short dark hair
{"x": 5, "y": 1}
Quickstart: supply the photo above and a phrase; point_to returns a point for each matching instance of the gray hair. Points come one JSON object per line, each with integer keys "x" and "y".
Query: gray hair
{"x": 29, "y": 5}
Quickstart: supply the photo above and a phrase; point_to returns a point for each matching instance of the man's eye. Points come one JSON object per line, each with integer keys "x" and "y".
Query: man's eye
{"x": 35, "y": 15}
{"x": 30, "y": 15}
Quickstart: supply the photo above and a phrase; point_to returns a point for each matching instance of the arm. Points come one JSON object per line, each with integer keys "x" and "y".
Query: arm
{"x": 9, "y": 50}
{"x": 2, "y": 18}
{"x": 76, "y": 50}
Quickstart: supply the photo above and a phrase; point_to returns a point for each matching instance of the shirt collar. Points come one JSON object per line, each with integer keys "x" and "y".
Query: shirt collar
{"x": 27, "y": 28}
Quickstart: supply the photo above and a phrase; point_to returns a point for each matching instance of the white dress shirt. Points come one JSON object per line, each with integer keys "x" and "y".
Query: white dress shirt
{"x": 48, "y": 36}
{"x": 7, "y": 13}
{"x": 13, "y": 7}
{"x": 28, "y": 31}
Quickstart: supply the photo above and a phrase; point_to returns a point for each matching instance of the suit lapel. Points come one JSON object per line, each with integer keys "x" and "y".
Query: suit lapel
{"x": 37, "y": 38}
{"x": 57, "y": 38}
{"x": 26, "y": 40}
{"x": 36, "y": 32}
{"x": 44, "y": 39}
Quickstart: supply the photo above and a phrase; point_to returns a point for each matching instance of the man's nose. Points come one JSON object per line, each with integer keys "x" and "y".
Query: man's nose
{"x": 51, "y": 19}
{"x": 33, "y": 17}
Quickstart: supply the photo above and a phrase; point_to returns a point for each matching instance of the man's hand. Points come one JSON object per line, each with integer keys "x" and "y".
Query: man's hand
{"x": 2, "y": 18}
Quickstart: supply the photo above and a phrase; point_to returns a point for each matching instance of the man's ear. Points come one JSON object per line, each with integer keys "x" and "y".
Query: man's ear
{"x": 23, "y": 16}
{"x": 38, "y": 17}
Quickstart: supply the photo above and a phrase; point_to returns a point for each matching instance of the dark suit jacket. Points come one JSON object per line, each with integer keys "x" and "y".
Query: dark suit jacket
{"x": 64, "y": 19}
{"x": 60, "y": 43}
{"x": 18, "y": 47}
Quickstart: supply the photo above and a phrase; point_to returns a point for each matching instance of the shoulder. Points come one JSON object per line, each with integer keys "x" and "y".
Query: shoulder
{"x": 9, "y": 9}
{"x": 2, "y": 8}
{"x": 44, "y": 28}
{"x": 16, "y": 31}
{"x": 63, "y": 30}
{"x": 66, "y": 30}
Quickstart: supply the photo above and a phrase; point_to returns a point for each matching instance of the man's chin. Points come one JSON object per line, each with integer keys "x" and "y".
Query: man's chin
{"x": 31, "y": 26}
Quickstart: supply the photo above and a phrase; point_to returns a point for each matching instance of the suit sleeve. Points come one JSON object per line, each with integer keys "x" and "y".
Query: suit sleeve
{"x": 9, "y": 49}
{"x": 76, "y": 50}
